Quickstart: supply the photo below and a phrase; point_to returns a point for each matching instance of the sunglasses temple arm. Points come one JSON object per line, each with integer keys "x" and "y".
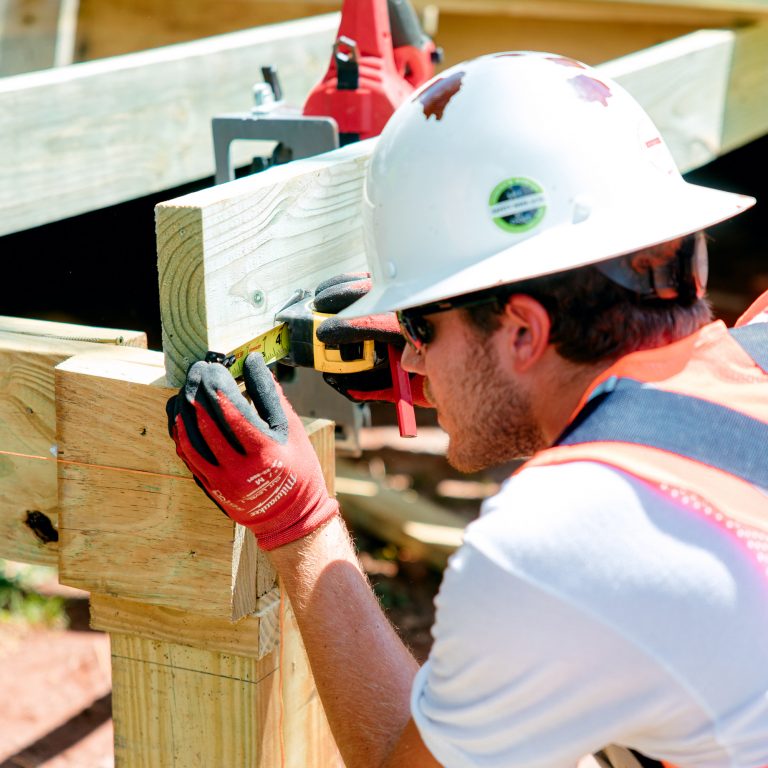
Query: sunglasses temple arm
{"x": 406, "y": 416}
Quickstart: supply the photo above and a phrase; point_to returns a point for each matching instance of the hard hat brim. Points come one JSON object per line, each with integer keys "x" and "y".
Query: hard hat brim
{"x": 604, "y": 235}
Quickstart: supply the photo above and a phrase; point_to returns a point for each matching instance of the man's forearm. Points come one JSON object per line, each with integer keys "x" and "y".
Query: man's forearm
{"x": 362, "y": 670}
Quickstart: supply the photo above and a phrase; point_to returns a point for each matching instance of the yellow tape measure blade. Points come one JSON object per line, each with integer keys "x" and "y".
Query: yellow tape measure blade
{"x": 273, "y": 345}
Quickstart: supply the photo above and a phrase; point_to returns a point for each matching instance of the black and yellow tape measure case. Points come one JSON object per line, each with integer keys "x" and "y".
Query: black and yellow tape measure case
{"x": 307, "y": 351}
{"x": 293, "y": 341}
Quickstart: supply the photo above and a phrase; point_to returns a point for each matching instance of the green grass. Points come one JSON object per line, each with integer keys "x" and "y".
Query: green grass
{"x": 20, "y": 603}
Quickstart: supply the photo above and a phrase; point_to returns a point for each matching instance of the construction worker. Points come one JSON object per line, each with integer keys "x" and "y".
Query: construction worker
{"x": 526, "y": 220}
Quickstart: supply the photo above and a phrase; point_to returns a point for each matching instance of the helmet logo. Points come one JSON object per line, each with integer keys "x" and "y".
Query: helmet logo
{"x": 436, "y": 96}
{"x": 517, "y": 204}
{"x": 591, "y": 89}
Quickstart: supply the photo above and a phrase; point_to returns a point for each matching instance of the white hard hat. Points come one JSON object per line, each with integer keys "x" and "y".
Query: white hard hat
{"x": 516, "y": 165}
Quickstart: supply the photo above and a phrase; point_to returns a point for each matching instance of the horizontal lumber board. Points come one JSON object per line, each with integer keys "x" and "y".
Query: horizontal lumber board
{"x": 29, "y": 352}
{"x": 114, "y": 27}
{"x": 144, "y": 536}
{"x": 593, "y": 30}
{"x": 746, "y": 106}
{"x": 592, "y": 40}
{"x": 254, "y": 636}
{"x": 132, "y": 522}
{"x": 683, "y": 86}
{"x": 90, "y": 135}
{"x": 695, "y": 12}
{"x": 698, "y": 12}
{"x": 230, "y": 256}
{"x": 707, "y": 92}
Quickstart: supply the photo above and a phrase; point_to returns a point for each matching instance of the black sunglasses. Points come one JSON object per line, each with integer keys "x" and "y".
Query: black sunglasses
{"x": 419, "y": 331}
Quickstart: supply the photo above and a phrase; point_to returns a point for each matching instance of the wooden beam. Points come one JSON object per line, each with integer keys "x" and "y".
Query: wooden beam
{"x": 592, "y": 40}
{"x": 115, "y": 27}
{"x": 36, "y": 34}
{"x": 699, "y": 13}
{"x": 746, "y": 103}
{"x": 591, "y": 30}
{"x": 79, "y": 138}
{"x": 683, "y": 86}
{"x": 175, "y": 705}
{"x": 707, "y": 92}
{"x": 230, "y": 256}
{"x": 29, "y": 351}
{"x": 143, "y": 25}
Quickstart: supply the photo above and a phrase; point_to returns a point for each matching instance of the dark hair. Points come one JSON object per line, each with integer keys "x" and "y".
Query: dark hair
{"x": 594, "y": 318}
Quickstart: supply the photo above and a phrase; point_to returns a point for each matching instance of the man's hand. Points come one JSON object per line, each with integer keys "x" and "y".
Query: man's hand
{"x": 337, "y": 293}
{"x": 254, "y": 461}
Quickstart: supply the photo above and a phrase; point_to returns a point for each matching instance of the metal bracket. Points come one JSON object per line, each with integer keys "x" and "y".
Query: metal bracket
{"x": 303, "y": 136}
{"x": 271, "y": 120}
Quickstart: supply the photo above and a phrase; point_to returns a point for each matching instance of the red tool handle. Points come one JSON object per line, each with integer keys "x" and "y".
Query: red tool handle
{"x": 406, "y": 416}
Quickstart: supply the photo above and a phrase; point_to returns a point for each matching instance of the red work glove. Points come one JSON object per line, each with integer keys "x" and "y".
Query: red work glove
{"x": 337, "y": 293}
{"x": 254, "y": 461}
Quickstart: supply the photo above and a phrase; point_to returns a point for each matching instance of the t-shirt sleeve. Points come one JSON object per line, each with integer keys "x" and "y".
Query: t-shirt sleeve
{"x": 519, "y": 677}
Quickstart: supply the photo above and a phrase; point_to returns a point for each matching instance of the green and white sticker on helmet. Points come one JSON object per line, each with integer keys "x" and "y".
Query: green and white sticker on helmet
{"x": 517, "y": 204}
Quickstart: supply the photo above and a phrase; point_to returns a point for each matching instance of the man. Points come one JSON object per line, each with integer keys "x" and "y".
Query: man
{"x": 547, "y": 261}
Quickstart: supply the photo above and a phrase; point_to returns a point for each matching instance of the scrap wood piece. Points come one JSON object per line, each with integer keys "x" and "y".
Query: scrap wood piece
{"x": 29, "y": 352}
{"x": 404, "y": 518}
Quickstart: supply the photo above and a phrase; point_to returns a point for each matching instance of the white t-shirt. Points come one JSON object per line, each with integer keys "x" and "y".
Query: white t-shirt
{"x": 585, "y": 608}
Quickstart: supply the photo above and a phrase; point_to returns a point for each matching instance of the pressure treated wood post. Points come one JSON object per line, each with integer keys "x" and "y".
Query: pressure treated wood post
{"x": 208, "y": 666}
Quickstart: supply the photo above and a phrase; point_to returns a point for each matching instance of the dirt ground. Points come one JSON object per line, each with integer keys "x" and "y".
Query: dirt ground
{"x": 55, "y": 708}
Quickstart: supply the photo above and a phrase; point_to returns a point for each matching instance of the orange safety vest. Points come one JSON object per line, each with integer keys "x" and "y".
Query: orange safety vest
{"x": 691, "y": 418}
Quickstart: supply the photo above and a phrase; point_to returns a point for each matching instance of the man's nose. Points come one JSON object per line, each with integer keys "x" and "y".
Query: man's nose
{"x": 412, "y": 361}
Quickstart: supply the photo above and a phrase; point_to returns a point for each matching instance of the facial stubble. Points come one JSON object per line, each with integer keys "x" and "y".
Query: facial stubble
{"x": 497, "y": 423}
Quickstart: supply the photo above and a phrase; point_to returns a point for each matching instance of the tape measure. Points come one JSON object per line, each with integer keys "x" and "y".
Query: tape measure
{"x": 294, "y": 341}
{"x": 274, "y": 345}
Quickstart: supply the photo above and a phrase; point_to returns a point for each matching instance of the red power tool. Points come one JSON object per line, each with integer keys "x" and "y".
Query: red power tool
{"x": 381, "y": 55}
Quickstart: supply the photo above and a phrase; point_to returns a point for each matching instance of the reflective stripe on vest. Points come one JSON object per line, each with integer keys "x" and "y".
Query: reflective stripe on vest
{"x": 692, "y": 418}
{"x": 680, "y": 424}
{"x": 753, "y": 339}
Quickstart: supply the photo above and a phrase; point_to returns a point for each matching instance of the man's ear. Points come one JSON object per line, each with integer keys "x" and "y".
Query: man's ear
{"x": 528, "y": 327}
